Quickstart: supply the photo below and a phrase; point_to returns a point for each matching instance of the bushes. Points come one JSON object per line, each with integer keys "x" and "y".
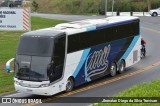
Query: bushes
{"x": 92, "y": 6}
{"x": 122, "y": 5}
{"x": 34, "y": 6}
{"x": 155, "y": 4}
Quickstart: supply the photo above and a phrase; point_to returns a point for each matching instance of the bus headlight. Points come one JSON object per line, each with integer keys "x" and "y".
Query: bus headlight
{"x": 44, "y": 85}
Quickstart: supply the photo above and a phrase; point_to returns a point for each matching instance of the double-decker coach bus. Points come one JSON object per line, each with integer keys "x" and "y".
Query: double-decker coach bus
{"x": 59, "y": 58}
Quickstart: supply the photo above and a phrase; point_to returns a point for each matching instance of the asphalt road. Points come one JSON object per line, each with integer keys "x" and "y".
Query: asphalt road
{"x": 66, "y": 17}
{"x": 144, "y": 71}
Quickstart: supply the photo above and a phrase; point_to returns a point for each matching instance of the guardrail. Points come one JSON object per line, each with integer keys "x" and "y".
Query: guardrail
{"x": 128, "y": 13}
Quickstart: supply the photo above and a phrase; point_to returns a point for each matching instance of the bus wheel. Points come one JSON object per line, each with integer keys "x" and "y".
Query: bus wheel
{"x": 69, "y": 85}
{"x": 113, "y": 69}
{"x": 121, "y": 67}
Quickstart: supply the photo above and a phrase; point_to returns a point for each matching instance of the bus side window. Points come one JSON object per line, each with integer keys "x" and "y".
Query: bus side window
{"x": 92, "y": 38}
{"x": 135, "y": 28}
{"x": 110, "y": 33}
{"x": 73, "y": 43}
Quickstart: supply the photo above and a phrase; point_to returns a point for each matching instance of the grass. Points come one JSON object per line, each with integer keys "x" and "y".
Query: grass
{"x": 8, "y": 45}
{"x": 143, "y": 90}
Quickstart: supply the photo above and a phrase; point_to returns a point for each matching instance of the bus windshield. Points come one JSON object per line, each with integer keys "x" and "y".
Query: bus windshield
{"x": 31, "y": 68}
{"x": 35, "y": 46}
{"x": 32, "y": 58}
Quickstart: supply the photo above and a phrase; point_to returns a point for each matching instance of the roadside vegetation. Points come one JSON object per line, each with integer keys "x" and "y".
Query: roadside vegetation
{"x": 91, "y": 6}
{"x": 8, "y": 45}
{"x": 151, "y": 89}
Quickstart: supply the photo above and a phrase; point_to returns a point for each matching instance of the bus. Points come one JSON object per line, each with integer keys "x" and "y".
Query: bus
{"x": 56, "y": 59}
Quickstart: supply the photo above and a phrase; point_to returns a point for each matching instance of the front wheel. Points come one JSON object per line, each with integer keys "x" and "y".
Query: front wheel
{"x": 69, "y": 85}
{"x": 113, "y": 69}
{"x": 121, "y": 67}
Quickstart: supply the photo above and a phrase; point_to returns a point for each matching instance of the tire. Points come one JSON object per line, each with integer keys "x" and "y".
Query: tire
{"x": 121, "y": 67}
{"x": 154, "y": 14}
{"x": 143, "y": 53}
{"x": 69, "y": 85}
{"x": 113, "y": 70}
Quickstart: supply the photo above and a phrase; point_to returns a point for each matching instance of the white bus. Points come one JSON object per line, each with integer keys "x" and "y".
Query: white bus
{"x": 56, "y": 59}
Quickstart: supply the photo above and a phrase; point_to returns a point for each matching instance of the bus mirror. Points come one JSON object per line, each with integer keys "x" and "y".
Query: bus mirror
{"x": 8, "y": 65}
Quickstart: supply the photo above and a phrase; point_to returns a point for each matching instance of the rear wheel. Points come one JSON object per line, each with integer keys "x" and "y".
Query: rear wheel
{"x": 143, "y": 53}
{"x": 69, "y": 85}
{"x": 121, "y": 67}
{"x": 113, "y": 69}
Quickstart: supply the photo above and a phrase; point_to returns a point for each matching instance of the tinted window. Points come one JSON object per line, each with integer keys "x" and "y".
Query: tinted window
{"x": 31, "y": 69}
{"x": 59, "y": 50}
{"x": 73, "y": 43}
{"x": 84, "y": 40}
{"x": 92, "y": 38}
{"x": 35, "y": 46}
{"x": 58, "y": 58}
{"x": 135, "y": 28}
{"x": 122, "y": 31}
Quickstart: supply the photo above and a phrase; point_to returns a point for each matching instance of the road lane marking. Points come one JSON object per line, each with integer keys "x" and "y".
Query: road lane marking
{"x": 153, "y": 30}
{"x": 98, "y": 84}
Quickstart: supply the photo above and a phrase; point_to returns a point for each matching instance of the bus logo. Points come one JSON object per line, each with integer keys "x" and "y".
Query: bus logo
{"x": 97, "y": 62}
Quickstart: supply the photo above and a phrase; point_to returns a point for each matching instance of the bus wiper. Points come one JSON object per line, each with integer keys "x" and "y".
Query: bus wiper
{"x": 35, "y": 79}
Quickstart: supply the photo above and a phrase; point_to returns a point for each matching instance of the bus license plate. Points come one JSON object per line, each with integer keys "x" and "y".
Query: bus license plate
{"x": 29, "y": 90}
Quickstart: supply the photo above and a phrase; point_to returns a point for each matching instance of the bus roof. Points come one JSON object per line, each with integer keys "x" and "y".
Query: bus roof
{"x": 82, "y": 26}
{"x": 43, "y": 33}
{"x": 94, "y": 22}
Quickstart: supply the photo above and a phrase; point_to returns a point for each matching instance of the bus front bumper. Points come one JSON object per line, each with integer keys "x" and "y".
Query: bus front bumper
{"x": 46, "y": 91}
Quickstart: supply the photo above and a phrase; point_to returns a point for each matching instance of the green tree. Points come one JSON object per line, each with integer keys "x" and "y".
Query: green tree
{"x": 140, "y": 6}
{"x": 155, "y": 4}
{"x": 102, "y": 7}
{"x": 34, "y": 6}
{"x": 122, "y": 5}
{"x": 5, "y": 3}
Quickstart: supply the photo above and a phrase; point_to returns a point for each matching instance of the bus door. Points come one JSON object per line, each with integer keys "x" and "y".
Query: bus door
{"x": 57, "y": 62}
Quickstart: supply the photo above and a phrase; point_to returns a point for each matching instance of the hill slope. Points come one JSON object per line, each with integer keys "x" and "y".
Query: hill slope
{"x": 68, "y": 6}
{"x": 92, "y": 6}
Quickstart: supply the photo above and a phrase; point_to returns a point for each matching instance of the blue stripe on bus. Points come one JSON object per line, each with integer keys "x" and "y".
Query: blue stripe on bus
{"x": 82, "y": 60}
{"x": 128, "y": 51}
{"x": 91, "y": 28}
{"x": 85, "y": 70}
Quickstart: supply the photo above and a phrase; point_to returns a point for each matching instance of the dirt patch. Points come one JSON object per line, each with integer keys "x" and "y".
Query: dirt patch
{"x": 2, "y": 67}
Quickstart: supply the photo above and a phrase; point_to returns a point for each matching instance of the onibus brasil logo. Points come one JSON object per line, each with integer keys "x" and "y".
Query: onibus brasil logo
{"x": 97, "y": 62}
